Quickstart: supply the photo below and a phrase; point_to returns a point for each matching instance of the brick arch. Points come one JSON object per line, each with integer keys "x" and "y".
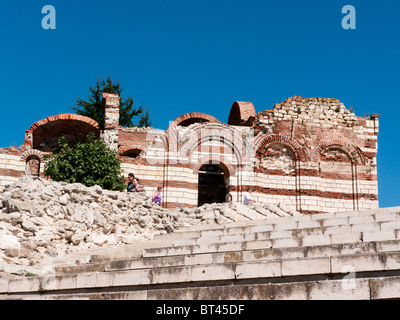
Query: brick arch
{"x": 66, "y": 116}
{"x": 172, "y": 143}
{"x": 57, "y": 126}
{"x": 225, "y": 164}
{"x": 242, "y": 114}
{"x": 32, "y": 153}
{"x": 171, "y": 139}
{"x": 354, "y": 153}
{"x": 204, "y": 132}
{"x": 192, "y": 117}
{"x": 264, "y": 141}
{"x": 127, "y": 149}
{"x": 30, "y": 157}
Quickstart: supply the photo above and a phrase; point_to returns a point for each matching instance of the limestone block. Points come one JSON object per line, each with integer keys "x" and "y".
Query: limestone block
{"x": 212, "y": 272}
{"x": 130, "y": 277}
{"x": 258, "y": 244}
{"x": 171, "y": 275}
{"x": 94, "y": 280}
{"x": 385, "y": 288}
{"x": 285, "y": 242}
{"x": 205, "y": 248}
{"x": 366, "y": 227}
{"x": 366, "y": 262}
{"x": 306, "y": 266}
{"x": 207, "y": 258}
{"x": 390, "y": 225}
{"x": 231, "y": 246}
{"x": 262, "y": 228}
{"x": 263, "y": 269}
{"x": 3, "y": 285}
{"x": 316, "y": 240}
{"x": 339, "y": 290}
{"x": 335, "y": 222}
{"x": 379, "y": 236}
{"x": 179, "y": 250}
{"x": 24, "y": 285}
{"x": 346, "y": 238}
{"x": 285, "y": 226}
{"x": 155, "y": 252}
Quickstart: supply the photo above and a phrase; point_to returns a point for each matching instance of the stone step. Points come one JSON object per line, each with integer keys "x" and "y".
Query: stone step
{"x": 251, "y": 255}
{"x": 321, "y": 246}
{"x": 230, "y": 241}
{"x": 283, "y": 232}
{"x": 299, "y": 267}
{"x": 382, "y": 214}
{"x": 366, "y": 288}
{"x": 358, "y": 289}
{"x": 387, "y": 219}
{"x": 270, "y": 240}
{"x": 237, "y": 238}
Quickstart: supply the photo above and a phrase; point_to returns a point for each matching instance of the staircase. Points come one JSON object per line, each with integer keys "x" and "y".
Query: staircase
{"x": 348, "y": 255}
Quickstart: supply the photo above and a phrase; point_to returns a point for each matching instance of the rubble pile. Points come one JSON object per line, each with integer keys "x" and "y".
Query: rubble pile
{"x": 41, "y": 218}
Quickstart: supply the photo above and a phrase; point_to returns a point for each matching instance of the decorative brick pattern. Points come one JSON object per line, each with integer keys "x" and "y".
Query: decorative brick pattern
{"x": 32, "y": 153}
{"x": 191, "y": 118}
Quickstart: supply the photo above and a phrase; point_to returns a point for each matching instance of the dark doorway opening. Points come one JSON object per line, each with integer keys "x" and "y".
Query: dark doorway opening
{"x": 212, "y": 185}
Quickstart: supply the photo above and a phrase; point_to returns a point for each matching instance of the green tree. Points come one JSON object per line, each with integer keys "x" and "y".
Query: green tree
{"x": 90, "y": 163}
{"x": 92, "y": 107}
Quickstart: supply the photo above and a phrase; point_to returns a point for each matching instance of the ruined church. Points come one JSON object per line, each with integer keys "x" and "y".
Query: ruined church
{"x": 311, "y": 155}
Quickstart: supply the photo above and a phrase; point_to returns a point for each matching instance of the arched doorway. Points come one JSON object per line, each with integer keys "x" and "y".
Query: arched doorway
{"x": 213, "y": 184}
{"x": 32, "y": 166}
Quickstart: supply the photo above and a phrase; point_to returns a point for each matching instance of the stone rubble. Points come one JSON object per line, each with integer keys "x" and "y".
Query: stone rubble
{"x": 41, "y": 219}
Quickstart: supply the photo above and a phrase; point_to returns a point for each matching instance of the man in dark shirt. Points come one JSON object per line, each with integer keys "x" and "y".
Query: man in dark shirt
{"x": 131, "y": 185}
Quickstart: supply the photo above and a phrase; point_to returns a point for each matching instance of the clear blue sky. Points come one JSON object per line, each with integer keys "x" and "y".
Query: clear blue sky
{"x": 183, "y": 56}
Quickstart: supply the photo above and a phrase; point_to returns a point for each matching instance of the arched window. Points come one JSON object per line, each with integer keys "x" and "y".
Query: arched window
{"x": 277, "y": 157}
{"x": 43, "y": 135}
{"x": 132, "y": 153}
{"x": 32, "y": 159}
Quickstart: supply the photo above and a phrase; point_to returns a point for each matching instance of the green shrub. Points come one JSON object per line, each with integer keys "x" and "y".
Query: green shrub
{"x": 90, "y": 163}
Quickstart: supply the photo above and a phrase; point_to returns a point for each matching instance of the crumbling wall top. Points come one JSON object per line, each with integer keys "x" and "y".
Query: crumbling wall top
{"x": 324, "y": 112}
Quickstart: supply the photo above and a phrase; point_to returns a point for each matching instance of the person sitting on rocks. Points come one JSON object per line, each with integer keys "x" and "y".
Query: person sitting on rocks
{"x": 131, "y": 176}
{"x": 137, "y": 187}
{"x": 248, "y": 198}
{"x": 157, "y": 196}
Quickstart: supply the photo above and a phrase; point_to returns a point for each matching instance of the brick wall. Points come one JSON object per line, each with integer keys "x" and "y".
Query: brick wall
{"x": 11, "y": 166}
{"x": 311, "y": 155}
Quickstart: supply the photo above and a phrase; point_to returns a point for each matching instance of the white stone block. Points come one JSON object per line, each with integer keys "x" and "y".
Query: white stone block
{"x": 306, "y": 266}
{"x": 378, "y": 236}
{"x": 263, "y": 269}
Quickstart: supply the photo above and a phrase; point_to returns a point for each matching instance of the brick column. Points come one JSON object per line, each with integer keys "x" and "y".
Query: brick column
{"x": 28, "y": 139}
{"x": 111, "y": 119}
